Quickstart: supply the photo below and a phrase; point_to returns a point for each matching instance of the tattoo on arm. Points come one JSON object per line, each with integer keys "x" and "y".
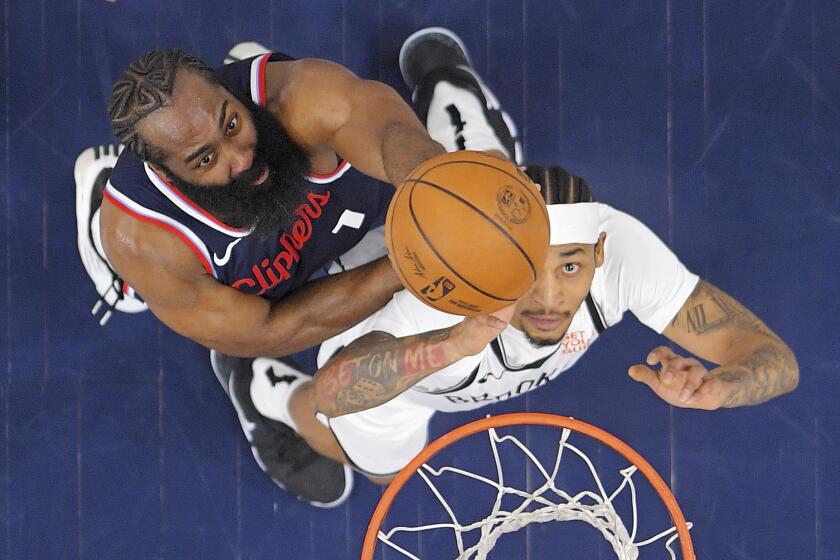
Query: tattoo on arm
{"x": 755, "y": 364}
{"x": 376, "y": 368}
{"x": 768, "y": 372}
{"x": 709, "y": 309}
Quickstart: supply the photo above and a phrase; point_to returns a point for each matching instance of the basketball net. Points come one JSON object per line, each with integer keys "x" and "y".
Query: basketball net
{"x": 546, "y": 503}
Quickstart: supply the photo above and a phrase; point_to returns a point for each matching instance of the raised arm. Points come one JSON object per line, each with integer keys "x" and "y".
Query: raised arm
{"x": 364, "y": 121}
{"x": 377, "y": 367}
{"x": 181, "y": 294}
{"x": 755, "y": 365}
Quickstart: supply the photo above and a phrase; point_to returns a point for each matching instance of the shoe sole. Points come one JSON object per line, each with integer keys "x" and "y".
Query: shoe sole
{"x": 408, "y": 43}
{"x": 243, "y": 421}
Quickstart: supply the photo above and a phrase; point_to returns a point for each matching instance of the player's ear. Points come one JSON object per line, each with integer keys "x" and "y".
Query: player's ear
{"x": 599, "y": 250}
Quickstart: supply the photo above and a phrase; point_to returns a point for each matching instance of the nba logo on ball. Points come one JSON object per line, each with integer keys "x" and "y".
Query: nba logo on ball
{"x": 437, "y": 289}
{"x": 513, "y": 206}
{"x": 477, "y": 224}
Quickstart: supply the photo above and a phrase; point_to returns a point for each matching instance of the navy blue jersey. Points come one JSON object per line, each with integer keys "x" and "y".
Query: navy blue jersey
{"x": 339, "y": 209}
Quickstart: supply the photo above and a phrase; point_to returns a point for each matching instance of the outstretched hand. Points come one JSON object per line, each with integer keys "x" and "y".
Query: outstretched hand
{"x": 682, "y": 382}
{"x": 473, "y": 334}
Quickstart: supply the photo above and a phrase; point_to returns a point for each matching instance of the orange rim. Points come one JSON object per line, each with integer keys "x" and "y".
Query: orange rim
{"x": 532, "y": 418}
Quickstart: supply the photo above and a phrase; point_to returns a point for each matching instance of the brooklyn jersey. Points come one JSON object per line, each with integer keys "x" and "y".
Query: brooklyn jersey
{"x": 639, "y": 274}
{"x": 340, "y": 208}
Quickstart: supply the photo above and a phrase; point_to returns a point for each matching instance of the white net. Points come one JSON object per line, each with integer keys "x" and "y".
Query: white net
{"x": 545, "y": 503}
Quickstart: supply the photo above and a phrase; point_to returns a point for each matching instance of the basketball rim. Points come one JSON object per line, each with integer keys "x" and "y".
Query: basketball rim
{"x": 528, "y": 418}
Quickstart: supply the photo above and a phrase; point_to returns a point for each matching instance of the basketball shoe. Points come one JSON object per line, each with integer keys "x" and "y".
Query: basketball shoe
{"x": 279, "y": 451}
{"x": 91, "y": 172}
{"x": 450, "y": 98}
{"x": 241, "y": 51}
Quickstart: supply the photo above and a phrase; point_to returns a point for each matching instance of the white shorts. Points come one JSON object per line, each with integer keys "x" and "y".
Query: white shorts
{"x": 382, "y": 440}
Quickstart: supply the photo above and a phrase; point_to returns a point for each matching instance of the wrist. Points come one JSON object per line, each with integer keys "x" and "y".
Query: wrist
{"x": 388, "y": 277}
{"x": 732, "y": 380}
{"x": 406, "y": 149}
{"x": 457, "y": 345}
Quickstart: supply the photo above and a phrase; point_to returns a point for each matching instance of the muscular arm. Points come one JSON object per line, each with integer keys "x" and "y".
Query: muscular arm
{"x": 377, "y": 367}
{"x": 366, "y": 122}
{"x": 754, "y": 364}
{"x": 181, "y": 294}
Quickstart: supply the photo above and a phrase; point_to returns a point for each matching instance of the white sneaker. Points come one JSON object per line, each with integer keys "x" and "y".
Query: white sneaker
{"x": 456, "y": 106}
{"x": 92, "y": 170}
{"x": 241, "y": 51}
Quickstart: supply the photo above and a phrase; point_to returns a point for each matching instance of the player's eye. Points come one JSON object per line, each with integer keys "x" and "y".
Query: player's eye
{"x": 570, "y": 268}
{"x": 232, "y": 124}
{"x": 205, "y": 161}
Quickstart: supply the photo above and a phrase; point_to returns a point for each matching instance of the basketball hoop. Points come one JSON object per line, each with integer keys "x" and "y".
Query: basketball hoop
{"x": 545, "y": 503}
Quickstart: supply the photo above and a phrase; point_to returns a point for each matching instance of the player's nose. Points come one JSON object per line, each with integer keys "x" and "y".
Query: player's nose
{"x": 547, "y": 291}
{"x": 240, "y": 161}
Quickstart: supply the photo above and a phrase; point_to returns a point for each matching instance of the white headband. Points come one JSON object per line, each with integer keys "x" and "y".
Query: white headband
{"x": 573, "y": 223}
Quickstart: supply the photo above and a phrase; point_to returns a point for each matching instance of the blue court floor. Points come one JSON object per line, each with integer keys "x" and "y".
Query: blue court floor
{"x": 716, "y": 122}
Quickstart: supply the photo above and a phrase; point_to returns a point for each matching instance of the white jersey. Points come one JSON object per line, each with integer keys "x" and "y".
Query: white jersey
{"x": 639, "y": 274}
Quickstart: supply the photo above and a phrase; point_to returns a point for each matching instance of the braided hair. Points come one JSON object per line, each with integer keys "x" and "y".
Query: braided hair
{"x": 559, "y": 186}
{"x": 142, "y": 89}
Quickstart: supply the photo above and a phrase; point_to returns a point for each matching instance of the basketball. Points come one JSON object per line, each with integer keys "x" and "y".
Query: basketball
{"x": 467, "y": 233}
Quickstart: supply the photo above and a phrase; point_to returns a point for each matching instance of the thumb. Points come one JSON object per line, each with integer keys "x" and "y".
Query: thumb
{"x": 505, "y": 314}
{"x": 643, "y": 374}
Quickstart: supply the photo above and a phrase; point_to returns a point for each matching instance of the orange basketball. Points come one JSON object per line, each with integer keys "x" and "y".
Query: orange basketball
{"x": 467, "y": 232}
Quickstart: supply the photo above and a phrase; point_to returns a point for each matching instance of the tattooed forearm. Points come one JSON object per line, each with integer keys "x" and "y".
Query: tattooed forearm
{"x": 768, "y": 372}
{"x": 755, "y": 364}
{"x": 709, "y": 309}
{"x": 375, "y": 369}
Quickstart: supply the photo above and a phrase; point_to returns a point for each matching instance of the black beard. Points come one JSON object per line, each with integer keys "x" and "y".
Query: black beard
{"x": 269, "y": 206}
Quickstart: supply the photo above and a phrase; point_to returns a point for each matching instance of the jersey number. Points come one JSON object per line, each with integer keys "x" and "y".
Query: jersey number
{"x": 350, "y": 219}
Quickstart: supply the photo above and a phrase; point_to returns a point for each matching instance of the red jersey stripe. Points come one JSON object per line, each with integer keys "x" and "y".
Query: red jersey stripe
{"x": 198, "y": 253}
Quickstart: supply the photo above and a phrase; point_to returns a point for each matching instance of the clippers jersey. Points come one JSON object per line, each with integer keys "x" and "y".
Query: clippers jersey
{"x": 339, "y": 210}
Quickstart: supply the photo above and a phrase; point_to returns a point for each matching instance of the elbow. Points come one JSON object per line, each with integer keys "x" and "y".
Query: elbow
{"x": 792, "y": 367}
{"x": 261, "y": 339}
{"x": 321, "y": 391}
{"x": 235, "y": 350}
{"x": 254, "y": 348}
{"x": 323, "y": 406}
{"x": 247, "y": 346}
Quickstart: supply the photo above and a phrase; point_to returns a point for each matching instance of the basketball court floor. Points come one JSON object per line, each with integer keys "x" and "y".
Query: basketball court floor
{"x": 715, "y": 122}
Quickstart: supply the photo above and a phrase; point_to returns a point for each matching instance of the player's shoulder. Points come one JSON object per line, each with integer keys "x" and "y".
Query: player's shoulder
{"x": 632, "y": 252}
{"x": 245, "y": 74}
{"x": 318, "y": 69}
{"x": 312, "y": 97}
{"x": 306, "y": 80}
{"x": 136, "y": 248}
{"x": 132, "y": 244}
{"x": 635, "y": 258}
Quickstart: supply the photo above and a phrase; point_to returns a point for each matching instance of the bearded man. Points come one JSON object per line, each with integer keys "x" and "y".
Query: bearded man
{"x": 238, "y": 190}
